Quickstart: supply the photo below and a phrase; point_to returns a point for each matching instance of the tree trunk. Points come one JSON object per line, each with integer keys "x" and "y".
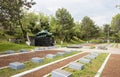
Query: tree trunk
{"x": 23, "y": 31}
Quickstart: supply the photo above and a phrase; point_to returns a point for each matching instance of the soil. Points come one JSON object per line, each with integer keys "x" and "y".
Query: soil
{"x": 48, "y": 69}
{"x": 4, "y": 61}
{"x": 112, "y": 68}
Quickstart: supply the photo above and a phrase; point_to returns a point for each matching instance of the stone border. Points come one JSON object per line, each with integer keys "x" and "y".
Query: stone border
{"x": 60, "y": 68}
{"x": 23, "y": 52}
{"x": 40, "y": 67}
{"x": 16, "y": 53}
{"x": 102, "y": 66}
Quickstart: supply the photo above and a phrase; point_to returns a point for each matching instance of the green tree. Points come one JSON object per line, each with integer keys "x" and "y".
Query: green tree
{"x": 11, "y": 13}
{"x": 65, "y": 20}
{"x": 115, "y": 23}
{"x": 115, "y": 27}
{"x": 54, "y": 27}
{"x": 43, "y": 21}
{"x": 88, "y": 29}
{"x": 106, "y": 30}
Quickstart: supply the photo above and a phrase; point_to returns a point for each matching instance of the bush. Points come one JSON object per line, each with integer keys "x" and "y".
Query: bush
{"x": 76, "y": 40}
{"x": 96, "y": 41}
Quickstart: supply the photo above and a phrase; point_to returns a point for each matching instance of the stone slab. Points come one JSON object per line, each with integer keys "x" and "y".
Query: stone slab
{"x": 23, "y": 50}
{"x": 61, "y": 73}
{"x": 10, "y": 52}
{"x": 89, "y": 56}
{"x": 84, "y": 60}
{"x": 51, "y": 56}
{"x": 37, "y": 60}
{"x": 60, "y": 53}
{"x": 16, "y": 65}
{"x": 95, "y": 53}
{"x": 76, "y": 66}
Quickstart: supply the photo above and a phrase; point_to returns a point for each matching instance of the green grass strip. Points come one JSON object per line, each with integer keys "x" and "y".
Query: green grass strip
{"x": 4, "y": 46}
{"x": 90, "y": 69}
{"x": 7, "y": 72}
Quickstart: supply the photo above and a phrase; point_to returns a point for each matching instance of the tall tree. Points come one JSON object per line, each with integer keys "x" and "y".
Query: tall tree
{"x": 106, "y": 31}
{"x": 115, "y": 23}
{"x": 44, "y": 21}
{"x": 88, "y": 29}
{"x": 115, "y": 26}
{"x": 66, "y": 21}
{"x": 12, "y": 12}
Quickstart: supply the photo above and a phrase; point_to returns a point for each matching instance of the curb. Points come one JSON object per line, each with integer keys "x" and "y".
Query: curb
{"x": 40, "y": 67}
{"x": 102, "y": 67}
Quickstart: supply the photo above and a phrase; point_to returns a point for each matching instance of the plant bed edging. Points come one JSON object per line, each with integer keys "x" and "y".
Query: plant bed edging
{"x": 102, "y": 66}
{"x": 40, "y": 67}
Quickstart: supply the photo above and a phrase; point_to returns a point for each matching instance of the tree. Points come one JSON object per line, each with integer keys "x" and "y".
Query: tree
{"x": 88, "y": 29}
{"x": 115, "y": 26}
{"x": 44, "y": 21}
{"x": 77, "y": 30}
{"x": 115, "y": 23}
{"x": 65, "y": 20}
{"x": 29, "y": 22}
{"x": 11, "y": 13}
{"x": 106, "y": 31}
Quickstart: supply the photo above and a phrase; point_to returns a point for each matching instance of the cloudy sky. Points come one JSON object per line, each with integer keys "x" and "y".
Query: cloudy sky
{"x": 101, "y": 11}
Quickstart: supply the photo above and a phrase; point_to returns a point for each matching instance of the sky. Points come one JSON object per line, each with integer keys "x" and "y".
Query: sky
{"x": 100, "y": 11}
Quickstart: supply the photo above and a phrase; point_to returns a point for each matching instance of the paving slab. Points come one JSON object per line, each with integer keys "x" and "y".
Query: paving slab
{"x": 112, "y": 68}
{"x": 61, "y": 73}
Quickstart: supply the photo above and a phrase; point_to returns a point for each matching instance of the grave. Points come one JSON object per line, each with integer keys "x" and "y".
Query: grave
{"x": 89, "y": 56}
{"x": 61, "y": 73}
{"x": 51, "y": 56}
{"x": 102, "y": 47}
{"x": 84, "y": 60}
{"x": 86, "y": 47}
{"x": 95, "y": 53}
{"x": 67, "y": 52}
{"x": 37, "y": 60}
{"x": 76, "y": 66}
{"x": 16, "y": 65}
{"x": 60, "y": 53}
{"x": 23, "y": 50}
{"x": 75, "y": 46}
{"x": 39, "y": 49}
{"x": 10, "y": 52}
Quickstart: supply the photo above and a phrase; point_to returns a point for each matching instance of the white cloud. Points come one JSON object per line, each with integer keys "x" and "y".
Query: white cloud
{"x": 101, "y": 11}
{"x": 100, "y": 20}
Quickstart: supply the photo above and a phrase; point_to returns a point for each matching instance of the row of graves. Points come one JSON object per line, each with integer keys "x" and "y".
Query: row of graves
{"x": 27, "y": 51}
{"x": 77, "y": 65}
{"x": 19, "y": 65}
{"x": 88, "y": 47}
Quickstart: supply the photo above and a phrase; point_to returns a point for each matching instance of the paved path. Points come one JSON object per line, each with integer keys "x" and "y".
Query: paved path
{"x": 112, "y": 68}
{"x": 110, "y": 50}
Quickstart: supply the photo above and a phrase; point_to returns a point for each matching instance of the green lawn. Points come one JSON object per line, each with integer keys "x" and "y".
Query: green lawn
{"x": 7, "y": 72}
{"x": 4, "y": 46}
{"x": 90, "y": 69}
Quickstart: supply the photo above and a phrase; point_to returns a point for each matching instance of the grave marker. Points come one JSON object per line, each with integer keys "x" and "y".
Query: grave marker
{"x": 61, "y": 73}
{"x": 76, "y": 66}
{"x": 16, "y": 65}
{"x": 37, "y": 60}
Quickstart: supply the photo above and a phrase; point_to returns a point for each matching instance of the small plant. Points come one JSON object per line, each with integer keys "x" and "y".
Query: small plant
{"x": 92, "y": 47}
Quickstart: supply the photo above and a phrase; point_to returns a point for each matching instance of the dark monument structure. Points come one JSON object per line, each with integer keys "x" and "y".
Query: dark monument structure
{"x": 43, "y": 38}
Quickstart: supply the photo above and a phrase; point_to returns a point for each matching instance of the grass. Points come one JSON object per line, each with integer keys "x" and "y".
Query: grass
{"x": 92, "y": 47}
{"x": 90, "y": 69}
{"x": 29, "y": 65}
{"x": 4, "y": 46}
